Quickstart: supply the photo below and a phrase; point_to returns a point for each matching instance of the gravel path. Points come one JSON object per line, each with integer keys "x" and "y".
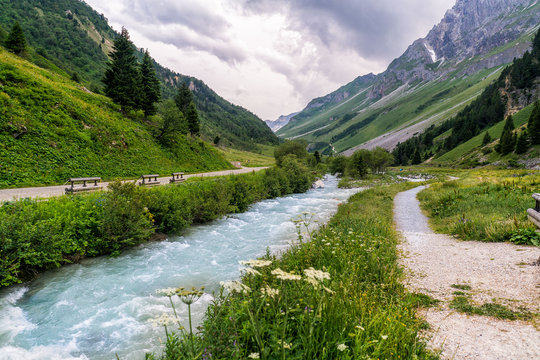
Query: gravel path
{"x": 50, "y": 191}
{"x": 496, "y": 272}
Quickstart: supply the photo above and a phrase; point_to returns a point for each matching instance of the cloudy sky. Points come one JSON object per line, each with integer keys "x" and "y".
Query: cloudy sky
{"x": 273, "y": 56}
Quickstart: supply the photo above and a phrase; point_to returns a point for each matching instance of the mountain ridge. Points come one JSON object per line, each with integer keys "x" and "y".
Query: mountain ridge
{"x": 473, "y": 37}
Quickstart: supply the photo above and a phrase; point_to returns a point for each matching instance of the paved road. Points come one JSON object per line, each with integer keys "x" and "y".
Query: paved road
{"x": 50, "y": 191}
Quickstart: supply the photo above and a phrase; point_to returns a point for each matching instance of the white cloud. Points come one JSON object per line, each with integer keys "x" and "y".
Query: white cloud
{"x": 273, "y": 56}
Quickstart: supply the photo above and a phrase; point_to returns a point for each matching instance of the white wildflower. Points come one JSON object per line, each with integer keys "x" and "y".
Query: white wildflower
{"x": 342, "y": 347}
{"x": 267, "y": 290}
{"x": 254, "y": 356}
{"x": 316, "y": 274}
{"x": 283, "y": 275}
{"x": 256, "y": 263}
{"x": 313, "y": 282}
{"x": 384, "y": 337}
{"x": 235, "y": 286}
{"x": 162, "y": 320}
{"x": 286, "y": 345}
{"x": 360, "y": 327}
{"x": 328, "y": 290}
{"x": 251, "y": 271}
{"x": 166, "y": 292}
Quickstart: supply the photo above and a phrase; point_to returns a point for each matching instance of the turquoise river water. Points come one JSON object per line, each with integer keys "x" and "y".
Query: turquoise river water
{"x": 102, "y": 307}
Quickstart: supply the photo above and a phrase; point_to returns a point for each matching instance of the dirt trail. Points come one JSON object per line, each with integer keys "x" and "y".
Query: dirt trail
{"x": 50, "y": 191}
{"x": 496, "y": 272}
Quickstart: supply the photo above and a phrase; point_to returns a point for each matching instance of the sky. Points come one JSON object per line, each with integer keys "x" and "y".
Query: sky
{"x": 273, "y": 56}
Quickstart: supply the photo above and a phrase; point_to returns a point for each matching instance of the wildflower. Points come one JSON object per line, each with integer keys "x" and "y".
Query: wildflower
{"x": 316, "y": 274}
{"x": 360, "y": 327}
{"x": 267, "y": 290}
{"x": 283, "y": 275}
{"x": 328, "y": 290}
{"x": 162, "y": 320}
{"x": 256, "y": 263}
{"x": 251, "y": 271}
{"x": 286, "y": 345}
{"x": 342, "y": 347}
{"x": 166, "y": 292}
{"x": 254, "y": 356}
{"x": 313, "y": 282}
{"x": 235, "y": 286}
{"x": 384, "y": 337}
{"x": 188, "y": 297}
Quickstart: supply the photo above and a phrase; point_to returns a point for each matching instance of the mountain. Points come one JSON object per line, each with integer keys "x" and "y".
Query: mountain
{"x": 435, "y": 78}
{"x": 280, "y": 122}
{"x": 52, "y": 128}
{"x": 69, "y": 35}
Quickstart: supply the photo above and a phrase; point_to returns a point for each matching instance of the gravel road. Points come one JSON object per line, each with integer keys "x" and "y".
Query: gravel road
{"x": 51, "y": 191}
{"x": 496, "y": 272}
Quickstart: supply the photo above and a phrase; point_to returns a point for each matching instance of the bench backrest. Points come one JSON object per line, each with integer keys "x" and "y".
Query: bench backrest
{"x": 85, "y": 179}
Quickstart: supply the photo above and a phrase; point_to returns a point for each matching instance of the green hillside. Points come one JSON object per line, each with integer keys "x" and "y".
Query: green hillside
{"x": 52, "y": 128}
{"x": 69, "y": 36}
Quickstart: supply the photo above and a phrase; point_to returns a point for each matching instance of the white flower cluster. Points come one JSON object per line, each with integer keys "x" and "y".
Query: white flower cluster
{"x": 254, "y": 356}
{"x": 162, "y": 320}
{"x": 166, "y": 292}
{"x": 235, "y": 286}
{"x": 251, "y": 271}
{"x": 267, "y": 290}
{"x": 316, "y": 274}
{"x": 283, "y": 275}
{"x": 256, "y": 263}
{"x": 342, "y": 347}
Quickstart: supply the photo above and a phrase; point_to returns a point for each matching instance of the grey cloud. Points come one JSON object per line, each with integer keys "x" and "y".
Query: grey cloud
{"x": 376, "y": 29}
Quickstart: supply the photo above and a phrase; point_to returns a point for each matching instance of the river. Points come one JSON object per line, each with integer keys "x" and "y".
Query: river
{"x": 102, "y": 306}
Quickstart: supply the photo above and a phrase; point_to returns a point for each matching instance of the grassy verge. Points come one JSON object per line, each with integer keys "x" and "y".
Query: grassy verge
{"x": 484, "y": 205}
{"x": 36, "y": 236}
{"x": 246, "y": 158}
{"x": 336, "y": 296}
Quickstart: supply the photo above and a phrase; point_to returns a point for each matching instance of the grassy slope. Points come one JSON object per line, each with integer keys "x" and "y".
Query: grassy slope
{"x": 471, "y": 148}
{"x": 51, "y": 129}
{"x": 247, "y": 158}
{"x": 409, "y": 107}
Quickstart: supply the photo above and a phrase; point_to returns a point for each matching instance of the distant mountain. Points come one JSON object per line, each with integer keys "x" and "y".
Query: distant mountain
{"x": 280, "y": 122}
{"x": 436, "y": 77}
{"x": 70, "y": 35}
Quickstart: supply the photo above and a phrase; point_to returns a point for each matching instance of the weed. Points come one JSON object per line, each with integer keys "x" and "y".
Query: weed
{"x": 461, "y": 286}
{"x": 462, "y": 304}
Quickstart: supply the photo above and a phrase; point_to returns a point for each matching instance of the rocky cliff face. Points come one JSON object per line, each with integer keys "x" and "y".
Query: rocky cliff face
{"x": 471, "y": 28}
{"x": 280, "y": 122}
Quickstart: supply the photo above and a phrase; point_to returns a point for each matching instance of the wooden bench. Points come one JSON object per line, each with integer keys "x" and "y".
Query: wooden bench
{"x": 177, "y": 177}
{"x": 147, "y": 180}
{"x": 72, "y": 189}
{"x": 534, "y": 214}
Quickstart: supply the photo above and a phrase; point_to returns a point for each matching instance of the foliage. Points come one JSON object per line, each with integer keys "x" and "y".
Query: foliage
{"x": 522, "y": 143}
{"x": 462, "y": 304}
{"x": 525, "y": 236}
{"x": 336, "y": 296}
{"x": 122, "y": 76}
{"x": 52, "y": 129}
{"x": 172, "y": 125}
{"x": 39, "y": 235}
{"x": 533, "y": 126}
{"x": 487, "y": 139}
{"x": 15, "y": 41}
{"x": 183, "y": 98}
{"x": 150, "y": 89}
{"x": 362, "y": 161}
{"x": 483, "y": 206}
{"x": 508, "y": 141}
{"x": 296, "y": 148}
{"x": 192, "y": 117}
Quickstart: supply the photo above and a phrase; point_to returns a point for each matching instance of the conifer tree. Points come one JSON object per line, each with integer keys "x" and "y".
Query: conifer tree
{"x": 417, "y": 158}
{"x": 150, "y": 90}
{"x": 522, "y": 144}
{"x": 192, "y": 117}
{"x": 122, "y": 78}
{"x": 15, "y": 41}
{"x": 533, "y": 126}
{"x": 183, "y": 98}
{"x": 508, "y": 141}
{"x": 487, "y": 139}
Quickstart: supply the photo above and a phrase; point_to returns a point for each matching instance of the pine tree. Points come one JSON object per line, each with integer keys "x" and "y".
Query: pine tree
{"x": 183, "y": 98}
{"x": 192, "y": 117}
{"x": 16, "y": 42}
{"x": 507, "y": 142}
{"x": 533, "y": 126}
{"x": 417, "y": 158}
{"x": 122, "y": 78}
{"x": 487, "y": 139}
{"x": 522, "y": 144}
{"x": 150, "y": 90}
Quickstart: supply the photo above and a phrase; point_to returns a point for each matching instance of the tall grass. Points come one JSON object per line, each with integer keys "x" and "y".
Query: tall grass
{"x": 336, "y": 296}
{"x": 482, "y": 205}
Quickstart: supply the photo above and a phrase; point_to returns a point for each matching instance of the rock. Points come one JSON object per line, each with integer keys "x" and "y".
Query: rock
{"x": 318, "y": 184}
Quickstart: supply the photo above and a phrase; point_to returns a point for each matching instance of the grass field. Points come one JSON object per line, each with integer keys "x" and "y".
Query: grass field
{"x": 250, "y": 159}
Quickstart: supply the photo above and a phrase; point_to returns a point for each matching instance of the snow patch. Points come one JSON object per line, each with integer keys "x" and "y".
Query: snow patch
{"x": 431, "y": 52}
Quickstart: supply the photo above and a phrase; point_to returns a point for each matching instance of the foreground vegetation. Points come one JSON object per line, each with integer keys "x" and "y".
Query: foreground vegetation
{"x": 36, "y": 236}
{"x": 337, "y": 295}
{"x": 484, "y": 205}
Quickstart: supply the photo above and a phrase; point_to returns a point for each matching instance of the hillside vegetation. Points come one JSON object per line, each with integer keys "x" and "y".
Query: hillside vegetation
{"x": 70, "y": 37}
{"x": 52, "y": 128}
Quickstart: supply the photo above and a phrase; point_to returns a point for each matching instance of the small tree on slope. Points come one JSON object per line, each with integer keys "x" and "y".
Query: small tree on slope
{"x": 16, "y": 42}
